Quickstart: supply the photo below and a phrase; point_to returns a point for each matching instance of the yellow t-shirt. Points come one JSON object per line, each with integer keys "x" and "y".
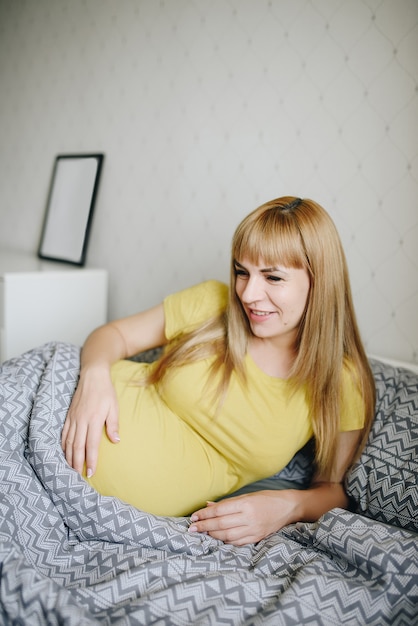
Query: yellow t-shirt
{"x": 176, "y": 452}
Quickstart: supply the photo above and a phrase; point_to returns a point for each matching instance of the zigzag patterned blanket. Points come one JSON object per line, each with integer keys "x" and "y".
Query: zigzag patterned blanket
{"x": 70, "y": 556}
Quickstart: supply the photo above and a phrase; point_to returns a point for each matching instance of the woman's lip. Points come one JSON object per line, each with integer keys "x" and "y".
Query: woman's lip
{"x": 259, "y": 315}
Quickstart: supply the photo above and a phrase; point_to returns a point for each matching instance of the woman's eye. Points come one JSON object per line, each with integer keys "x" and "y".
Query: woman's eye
{"x": 274, "y": 279}
{"x": 239, "y": 272}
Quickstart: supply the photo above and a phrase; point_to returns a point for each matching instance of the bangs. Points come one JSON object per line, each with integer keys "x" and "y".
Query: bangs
{"x": 272, "y": 238}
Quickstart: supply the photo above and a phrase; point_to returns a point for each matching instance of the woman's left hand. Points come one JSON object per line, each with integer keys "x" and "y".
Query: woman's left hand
{"x": 247, "y": 518}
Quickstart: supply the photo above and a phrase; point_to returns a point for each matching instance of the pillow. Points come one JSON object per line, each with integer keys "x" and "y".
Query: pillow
{"x": 296, "y": 475}
{"x": 148, "y": 356}
{"x": 383, "y": 483}
{"x": 301, "y": 468}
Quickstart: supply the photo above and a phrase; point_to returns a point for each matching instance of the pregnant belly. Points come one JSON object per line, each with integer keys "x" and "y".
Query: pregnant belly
{"x": 160, "y": 465}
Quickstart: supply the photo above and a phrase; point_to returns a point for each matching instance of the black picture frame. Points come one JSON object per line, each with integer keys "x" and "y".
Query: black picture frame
{"x": 70, "y": 206}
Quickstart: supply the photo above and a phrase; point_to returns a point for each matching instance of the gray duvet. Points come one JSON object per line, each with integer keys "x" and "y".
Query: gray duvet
{"x": 70, "y": 556}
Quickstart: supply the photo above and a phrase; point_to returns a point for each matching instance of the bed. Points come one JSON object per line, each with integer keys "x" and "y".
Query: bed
{"x": 70, "y": 556}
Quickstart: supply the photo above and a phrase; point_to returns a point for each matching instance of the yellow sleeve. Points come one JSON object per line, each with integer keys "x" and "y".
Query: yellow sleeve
{"x": 352, "y": 405}
{"x": 189, "y": 308}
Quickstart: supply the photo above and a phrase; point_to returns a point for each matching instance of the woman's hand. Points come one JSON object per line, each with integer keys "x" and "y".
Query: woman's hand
{"x": 94, "y": 405}
{"x": 254, "y": 516}
{"x": 247, "y": 518}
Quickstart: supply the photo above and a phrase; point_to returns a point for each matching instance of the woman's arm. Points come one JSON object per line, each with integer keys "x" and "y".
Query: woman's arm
{"x": 252, "y": 517}
{"x": 94, "y": 403}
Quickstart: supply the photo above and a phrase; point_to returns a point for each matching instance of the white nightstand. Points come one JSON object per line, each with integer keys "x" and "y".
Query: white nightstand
{"x": 42, "y": 301}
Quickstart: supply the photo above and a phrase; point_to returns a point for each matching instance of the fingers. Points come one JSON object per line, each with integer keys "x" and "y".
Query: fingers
{"x": 112, "y": 428}
{"x": 215, "y": 524}
{"x": 64, "y": 433}
{"x": 81, "y": 445}
{"x": 224, "y": 521}
{"x": 75, "y": 452}
{"x": 89, "y": 448}
{"x": 229, "y": 529}
{"x": 83, "y": 428}
{"x": 218, "y": 509}
{"x": 67, "y": 439}
{"x": 92, "y": 443}
{"x": 73, "y": 443}
{"x": 240, "y": 520}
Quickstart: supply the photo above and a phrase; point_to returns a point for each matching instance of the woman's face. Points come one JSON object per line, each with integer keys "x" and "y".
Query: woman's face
{"x": 273, "y": 298}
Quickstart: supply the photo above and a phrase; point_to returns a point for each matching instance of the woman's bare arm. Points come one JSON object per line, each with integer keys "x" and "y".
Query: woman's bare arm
{"x": 94, "y": 403}
{"x": 251, "y": 517}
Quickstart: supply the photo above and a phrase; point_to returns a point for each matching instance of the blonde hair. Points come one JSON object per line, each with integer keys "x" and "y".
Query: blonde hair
{"x": 294, "y": 233}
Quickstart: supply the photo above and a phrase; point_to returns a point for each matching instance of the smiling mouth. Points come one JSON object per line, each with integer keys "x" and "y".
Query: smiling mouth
{"x": 260, "y": 313}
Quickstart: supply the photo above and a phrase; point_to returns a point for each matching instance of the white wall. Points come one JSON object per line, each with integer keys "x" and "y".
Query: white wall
{"x": 206, "y": 109}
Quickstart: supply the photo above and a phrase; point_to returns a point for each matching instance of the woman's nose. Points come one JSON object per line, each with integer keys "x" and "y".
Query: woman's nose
{"x": 252, "y": 291}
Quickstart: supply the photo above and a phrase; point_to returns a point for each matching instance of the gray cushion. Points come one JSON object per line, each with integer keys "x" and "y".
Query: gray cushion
{"x": 383, "y": 483}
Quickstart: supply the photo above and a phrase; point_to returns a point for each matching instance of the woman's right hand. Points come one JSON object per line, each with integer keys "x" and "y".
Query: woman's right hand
{"x": 94, "y": 403}
{"x": 93, "y": 406}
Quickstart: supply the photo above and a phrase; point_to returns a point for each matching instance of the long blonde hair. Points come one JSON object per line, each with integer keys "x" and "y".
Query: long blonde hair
{"x": 300, "y": 234}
